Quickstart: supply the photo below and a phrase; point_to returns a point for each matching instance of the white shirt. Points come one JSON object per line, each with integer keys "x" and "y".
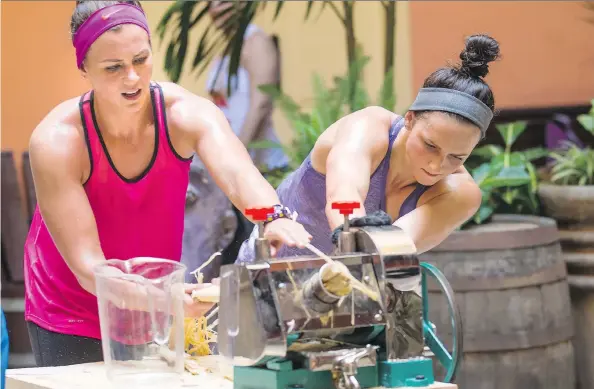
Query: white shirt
{"x": 236, "y": 107}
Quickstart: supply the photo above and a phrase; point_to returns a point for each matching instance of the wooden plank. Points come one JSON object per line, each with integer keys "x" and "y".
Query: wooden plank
{"x": 582, "y": 302}
{"x": 504, "y": 232}
{"x": 517, "y": 335}
{"x": 92, "y": 376}
{"x": 533, "y": 276}
{"x": 526, "y": 369}
{"x": 14, "y": 225}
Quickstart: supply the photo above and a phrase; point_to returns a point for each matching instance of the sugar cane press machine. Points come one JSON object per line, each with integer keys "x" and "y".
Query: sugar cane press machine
{"x": 282, "y": 328}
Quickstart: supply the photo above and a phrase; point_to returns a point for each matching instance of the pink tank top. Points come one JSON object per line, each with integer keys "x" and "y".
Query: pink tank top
{"x": 136, "y": 217}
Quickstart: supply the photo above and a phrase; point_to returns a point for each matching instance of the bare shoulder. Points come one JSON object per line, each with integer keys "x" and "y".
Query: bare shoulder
{"x": 460, "y": 188}
{"x": 259, "y": 39}
{"x": 189, "y": 117}
{"x": 174, "y": 93}
{"x": 185, "y": 109}
{"x": 373, "y": 113}
{"x": 58, "y": 142}
{"x": 373, "y": 121}
{"x": 364, "y": 132}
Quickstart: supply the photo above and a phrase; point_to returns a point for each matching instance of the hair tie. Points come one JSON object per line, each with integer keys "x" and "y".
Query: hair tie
{"x": 450, "y": 100}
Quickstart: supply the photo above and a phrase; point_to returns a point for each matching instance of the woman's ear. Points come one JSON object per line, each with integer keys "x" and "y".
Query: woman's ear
{"x": 82, "y": 71}
{"x": 409, "y": 119}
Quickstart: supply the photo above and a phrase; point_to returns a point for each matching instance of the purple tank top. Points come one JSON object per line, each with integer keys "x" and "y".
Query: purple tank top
{"x": 304, "y": 191}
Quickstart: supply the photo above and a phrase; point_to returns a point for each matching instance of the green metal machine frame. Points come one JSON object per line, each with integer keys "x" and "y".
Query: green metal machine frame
{"x": 279, "y": 373}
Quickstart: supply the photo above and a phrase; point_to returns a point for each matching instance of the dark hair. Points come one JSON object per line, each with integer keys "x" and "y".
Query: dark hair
{"x": 276, "y": 43}
{"x": 468, "y": 76}
{"x": 85, "y": 8}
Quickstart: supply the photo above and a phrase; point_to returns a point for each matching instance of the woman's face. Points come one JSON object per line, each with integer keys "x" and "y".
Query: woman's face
{"x": 119, "y": 66}
{"x": 438, "y": 145}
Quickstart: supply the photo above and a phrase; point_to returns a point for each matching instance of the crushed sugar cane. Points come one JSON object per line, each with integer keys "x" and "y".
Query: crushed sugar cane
{"x": 346, "y": 273}
{"x": 198, "y": 274}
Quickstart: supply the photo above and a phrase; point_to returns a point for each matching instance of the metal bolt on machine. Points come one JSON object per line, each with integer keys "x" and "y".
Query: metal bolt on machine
{"x": 282, "y": 329}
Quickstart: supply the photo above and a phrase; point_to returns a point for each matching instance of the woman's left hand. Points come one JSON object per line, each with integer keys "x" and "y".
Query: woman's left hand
{"x": 192, "y": 307}
{"x": 285, "y": 231}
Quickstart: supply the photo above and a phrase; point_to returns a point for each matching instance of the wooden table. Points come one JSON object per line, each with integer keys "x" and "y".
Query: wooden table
{"x": 92, "y": 376}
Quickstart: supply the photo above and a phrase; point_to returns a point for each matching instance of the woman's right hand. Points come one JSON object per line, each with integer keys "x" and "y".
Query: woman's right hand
{"x": 286, "y": 231}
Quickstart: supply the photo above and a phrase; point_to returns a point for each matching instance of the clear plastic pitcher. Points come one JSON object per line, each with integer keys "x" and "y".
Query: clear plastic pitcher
{"x": 141, "y": 315}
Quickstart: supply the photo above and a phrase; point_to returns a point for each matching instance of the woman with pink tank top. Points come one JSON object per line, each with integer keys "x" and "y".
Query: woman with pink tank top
{"x": 111, "y": 171}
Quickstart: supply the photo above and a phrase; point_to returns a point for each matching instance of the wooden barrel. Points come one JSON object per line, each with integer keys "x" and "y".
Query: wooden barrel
{"x": 510, "y": 283}
{"x": 573, "y": 208}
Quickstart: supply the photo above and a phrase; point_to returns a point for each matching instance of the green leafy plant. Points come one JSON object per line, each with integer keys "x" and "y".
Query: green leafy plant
{"x": 587, "y": 119}
{"x": 571, "y": 164}
{"x": 329, "y": 104}
{"x": 507, "y": 179}
{"x": 182, "y": 16}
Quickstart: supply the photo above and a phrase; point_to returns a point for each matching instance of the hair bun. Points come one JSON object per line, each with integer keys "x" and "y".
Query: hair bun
{"x": 479, "y": 51}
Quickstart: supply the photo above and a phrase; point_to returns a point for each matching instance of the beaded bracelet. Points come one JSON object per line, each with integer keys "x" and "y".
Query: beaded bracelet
{"x": 280, "y": 212}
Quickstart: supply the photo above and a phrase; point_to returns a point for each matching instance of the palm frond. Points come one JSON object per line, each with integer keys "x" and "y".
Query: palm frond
{"x": 182, "y": 16}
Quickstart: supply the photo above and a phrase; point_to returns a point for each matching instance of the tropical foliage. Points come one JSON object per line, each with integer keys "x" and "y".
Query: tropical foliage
{"x": 330, "y": 103}
{"x": 573, "y": 165}
{"x": 507, "y": 179}
{"x": 183, "y": 16}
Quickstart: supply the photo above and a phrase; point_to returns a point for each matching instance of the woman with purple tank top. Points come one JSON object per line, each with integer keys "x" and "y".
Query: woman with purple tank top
{"x": 111, "y": 172}
{"x": 407, "y": 171}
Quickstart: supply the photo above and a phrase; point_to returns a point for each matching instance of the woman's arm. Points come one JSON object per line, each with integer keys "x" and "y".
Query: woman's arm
{"x": 221, "y": 151}
{"x": 207, "y": 130}
{"x": 260, "y": 59}
{"x": 360, "y": 142}
{"x": 457, "y": 199}
{"x": 56, "y": 152}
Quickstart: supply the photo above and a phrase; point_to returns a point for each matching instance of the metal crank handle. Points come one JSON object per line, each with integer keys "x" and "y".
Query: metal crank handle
{"x": 259, "y": 215}
{"x": 346, "y": 240}
{"x": 346, "y": 367}
{"x": 347, "y": 364}
{"x": 348, "y": 382}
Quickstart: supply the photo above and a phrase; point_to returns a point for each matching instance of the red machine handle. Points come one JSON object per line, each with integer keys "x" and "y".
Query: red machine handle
{"x": 346, "y": 208}
{"x": 259, "y": 214}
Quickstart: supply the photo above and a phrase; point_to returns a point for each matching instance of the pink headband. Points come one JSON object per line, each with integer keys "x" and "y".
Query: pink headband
{"x": 103, "y": 20}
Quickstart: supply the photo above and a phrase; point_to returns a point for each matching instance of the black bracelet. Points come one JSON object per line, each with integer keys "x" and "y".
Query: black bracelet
{"x": 377, "y": 218}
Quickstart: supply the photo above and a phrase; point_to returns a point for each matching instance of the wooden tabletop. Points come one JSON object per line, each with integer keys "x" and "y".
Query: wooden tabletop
{"x": 211, "y": 374}
{"x": 93, "y": 376}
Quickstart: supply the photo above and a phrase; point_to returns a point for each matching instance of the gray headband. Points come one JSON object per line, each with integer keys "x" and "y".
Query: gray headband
{"x": 449, "y": 100}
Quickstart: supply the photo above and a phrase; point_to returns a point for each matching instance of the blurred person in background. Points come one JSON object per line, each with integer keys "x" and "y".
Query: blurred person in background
{"x": 249, "y": 112}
